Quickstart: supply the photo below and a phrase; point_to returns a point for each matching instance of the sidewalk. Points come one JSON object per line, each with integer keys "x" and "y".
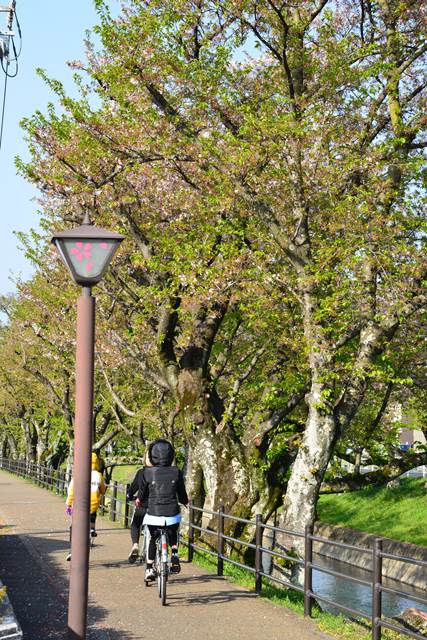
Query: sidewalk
{"x": 33, "y": 548}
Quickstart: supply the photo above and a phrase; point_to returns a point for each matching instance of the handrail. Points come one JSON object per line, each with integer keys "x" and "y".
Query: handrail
{"x": 407, "y": 632}
{"x": 403, "y": 594}
{"x": 203, "y": 530}
{"x": 279, "y": 554}
{"x": 121, "y": 510}
{"x": 343, "y": 545}
{"x": 237, "y": 519}
{"x": 392, "y": 556}
{"x": 243, "y": 542}
{"x": 337, "y": 574}
{"x": 332, "y": 603}
{"x": 212, "y": 513}
{"x": 289, "y": 532}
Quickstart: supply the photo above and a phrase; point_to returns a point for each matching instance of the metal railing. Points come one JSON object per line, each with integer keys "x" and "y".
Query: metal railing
{"x": 310, "y": 596}
{"x": 114, "y": 503}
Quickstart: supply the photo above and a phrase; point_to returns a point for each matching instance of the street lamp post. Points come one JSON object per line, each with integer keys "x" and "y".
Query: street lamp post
{"x": 86, "y": 251}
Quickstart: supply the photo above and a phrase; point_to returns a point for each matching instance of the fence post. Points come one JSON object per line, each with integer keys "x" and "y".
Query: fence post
{"x": 127, "y": 507}
{"x": 102, "y": 505}
{"x": 220, "y": 545}
{"x": 377, "y": 570}
{"x": 258, "y": 553}
{"x": 190, "y": 532}
{"x": 113, "y": 507}
{"x": 308, "y": 571}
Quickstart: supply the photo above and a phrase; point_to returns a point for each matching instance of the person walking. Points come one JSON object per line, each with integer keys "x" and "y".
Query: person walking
{"x": 162, "y": 488}
{"x": 97, "y": 489}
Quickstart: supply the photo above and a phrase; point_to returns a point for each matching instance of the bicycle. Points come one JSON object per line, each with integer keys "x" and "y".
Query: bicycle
{"x": 141, "y": 552}
{"x": 161, "y": 563}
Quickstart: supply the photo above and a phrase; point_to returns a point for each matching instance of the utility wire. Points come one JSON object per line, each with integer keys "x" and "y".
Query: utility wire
{"x": 9, "y": 60}
{"x": 6, "y": 76}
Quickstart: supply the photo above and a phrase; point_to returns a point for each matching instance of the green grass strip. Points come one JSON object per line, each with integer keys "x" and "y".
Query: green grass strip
{"x": 399, "y": 513}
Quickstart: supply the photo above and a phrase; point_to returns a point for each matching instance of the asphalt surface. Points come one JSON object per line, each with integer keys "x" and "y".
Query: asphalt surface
{"x": 33, "y": 566}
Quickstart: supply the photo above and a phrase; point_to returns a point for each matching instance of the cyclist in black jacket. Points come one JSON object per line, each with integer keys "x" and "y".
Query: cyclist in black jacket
{"x": 138, "y": 514}
{"x": 162, "y": 487}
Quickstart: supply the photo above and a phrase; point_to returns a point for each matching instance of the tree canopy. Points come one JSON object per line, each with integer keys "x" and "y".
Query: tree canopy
{"x": 265, "y": 161}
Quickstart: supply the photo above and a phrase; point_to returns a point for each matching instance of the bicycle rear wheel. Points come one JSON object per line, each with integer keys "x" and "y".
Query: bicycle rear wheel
{"x": 161, "y": 579}
{"x": 143, "y": 543}
{"x": 158, "y": 565}
{"x": 162, "y": 585}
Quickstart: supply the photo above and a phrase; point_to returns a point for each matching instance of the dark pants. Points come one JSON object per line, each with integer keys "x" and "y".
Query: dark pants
{"x": 92, "y": 523}
{"x": 136, "y": 524}
{"x": 172, "y": 531}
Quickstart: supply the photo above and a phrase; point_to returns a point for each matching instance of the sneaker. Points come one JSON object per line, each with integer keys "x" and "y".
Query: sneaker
{"x": 68, "y": 558}
{"x": 93, "y": 533}
{"x": 150, "y": 574}
{"x": 134, "y": 552}
{"x": 175, "y": 564}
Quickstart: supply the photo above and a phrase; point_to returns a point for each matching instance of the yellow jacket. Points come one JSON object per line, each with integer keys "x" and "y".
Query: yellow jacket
{"x": 97, "y": 489}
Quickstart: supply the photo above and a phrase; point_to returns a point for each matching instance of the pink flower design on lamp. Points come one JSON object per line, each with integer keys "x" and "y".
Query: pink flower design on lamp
{"x": 81, "y": 251}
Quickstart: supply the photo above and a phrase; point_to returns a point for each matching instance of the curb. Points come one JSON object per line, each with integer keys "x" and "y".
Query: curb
{"x": 9, "y": 626}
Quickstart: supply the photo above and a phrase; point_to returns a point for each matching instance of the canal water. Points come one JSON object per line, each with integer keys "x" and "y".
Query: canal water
{"x": 358, "y": 596}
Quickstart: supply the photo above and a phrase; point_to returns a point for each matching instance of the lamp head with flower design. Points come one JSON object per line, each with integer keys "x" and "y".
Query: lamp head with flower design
{"x": 87, "y": 251}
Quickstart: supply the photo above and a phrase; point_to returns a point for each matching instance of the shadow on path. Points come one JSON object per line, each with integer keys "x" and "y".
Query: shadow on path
{"x": 39, "y": 591}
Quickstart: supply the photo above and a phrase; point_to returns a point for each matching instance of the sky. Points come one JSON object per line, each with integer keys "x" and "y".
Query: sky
{"x": 52, "y": 33}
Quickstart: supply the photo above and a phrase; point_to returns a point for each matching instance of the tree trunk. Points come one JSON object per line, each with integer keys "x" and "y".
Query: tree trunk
{"x": 299, "y": 507}
{"x": 42, "y": 441}
{"x": 358, "y": 461}
{"x": 30, "y": 437}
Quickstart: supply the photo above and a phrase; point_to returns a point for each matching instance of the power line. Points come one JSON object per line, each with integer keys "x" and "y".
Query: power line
{"x": 7, "y": 43}
{"x": 3, "y": 106}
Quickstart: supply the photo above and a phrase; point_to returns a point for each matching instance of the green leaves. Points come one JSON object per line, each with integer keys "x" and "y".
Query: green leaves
{"x": 251, "y": 162}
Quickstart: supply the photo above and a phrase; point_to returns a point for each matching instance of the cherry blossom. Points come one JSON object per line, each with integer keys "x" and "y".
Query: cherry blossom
{"x": 82, "y": 250}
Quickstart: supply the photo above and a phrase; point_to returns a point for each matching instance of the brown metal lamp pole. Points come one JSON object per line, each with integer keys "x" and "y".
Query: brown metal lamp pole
{"x": 79, "y": 574}
{"x": 87, "y": 252}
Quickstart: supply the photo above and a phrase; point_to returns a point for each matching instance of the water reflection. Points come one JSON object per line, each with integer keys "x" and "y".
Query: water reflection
{"x": 358, "y": 596}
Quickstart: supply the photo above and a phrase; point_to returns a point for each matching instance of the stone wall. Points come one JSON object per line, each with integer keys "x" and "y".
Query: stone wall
{"x": 406, "y": 572}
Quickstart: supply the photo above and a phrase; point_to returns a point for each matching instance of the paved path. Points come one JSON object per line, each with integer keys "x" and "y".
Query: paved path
{"x": 33, "y": 548}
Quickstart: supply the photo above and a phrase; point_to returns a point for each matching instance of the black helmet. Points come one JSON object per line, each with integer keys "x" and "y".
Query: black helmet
{"x": 161, "y": 453}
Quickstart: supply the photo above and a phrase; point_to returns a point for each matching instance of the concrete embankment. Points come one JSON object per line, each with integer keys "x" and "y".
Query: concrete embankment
{"x": 9, "y": 626}
{"x": 405, "y": 572}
